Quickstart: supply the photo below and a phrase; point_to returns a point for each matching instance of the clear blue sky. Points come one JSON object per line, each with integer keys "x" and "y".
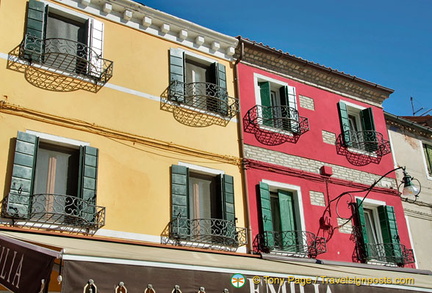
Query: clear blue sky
{"x": 382, "y": 41}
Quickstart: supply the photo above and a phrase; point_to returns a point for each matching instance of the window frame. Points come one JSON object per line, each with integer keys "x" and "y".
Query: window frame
{"x": 177, "y": 72}
{"x": 92, "y": 37}
{"x": 427, "y": 161}
{"x": 355, "y": 111}
{"x": 277, "y": 187}
{"x": 275, "y": 86}
{"x": 25, "y": 164}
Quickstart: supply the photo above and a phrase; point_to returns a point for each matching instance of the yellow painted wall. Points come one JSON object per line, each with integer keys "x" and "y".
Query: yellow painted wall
{"x": 133, "y": 178}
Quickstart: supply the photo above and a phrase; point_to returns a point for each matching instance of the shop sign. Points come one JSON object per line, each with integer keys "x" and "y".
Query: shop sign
{"x": 24, "y": 267}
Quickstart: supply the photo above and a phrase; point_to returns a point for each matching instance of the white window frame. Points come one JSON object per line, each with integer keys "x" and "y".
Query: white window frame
{"x": 262, "y": 78}
{"x": 373, "y": 204}
{"x": 79, "y": 17}
{"x": 425, "y": 164}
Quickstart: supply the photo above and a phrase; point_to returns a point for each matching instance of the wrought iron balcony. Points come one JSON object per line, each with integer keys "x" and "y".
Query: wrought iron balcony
{"x": 362, "y": 147}
{"x": 275, "y": 125}
{"x": 205, "y": 233}
{"x": 291, "y": 243}
{"x": 390, "y": 253}
{"x": 61, "y": 57}
{"x": 53, "y": 211}
{"x": 199, "y": 103}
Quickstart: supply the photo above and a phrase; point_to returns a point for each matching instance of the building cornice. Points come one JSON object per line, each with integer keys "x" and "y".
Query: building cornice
{"x": 302, "y": 70}
{"x": 160, "y": 24}
{"x": 408, "y": 125}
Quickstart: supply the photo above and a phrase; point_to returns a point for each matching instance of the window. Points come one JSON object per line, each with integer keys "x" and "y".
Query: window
{"x": 379, "y": 233}
{"x": 52, "y": 180}
{"x": 358, "y": 127}
{"x": 202, "y": 205}
{"x": 278, "y": 105}
{"x": 428, "y": 157}
{"x": 198, "y": 82}
{"x": 67, "y": 42}
{"x": 279, "y": 220}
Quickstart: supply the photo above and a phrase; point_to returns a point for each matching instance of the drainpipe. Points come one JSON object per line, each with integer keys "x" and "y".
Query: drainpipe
{"x": 241, "y": 148}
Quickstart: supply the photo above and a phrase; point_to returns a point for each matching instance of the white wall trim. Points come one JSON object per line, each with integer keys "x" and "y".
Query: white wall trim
{"x": 58, "y": 139}
{"x": 201, "y": 169}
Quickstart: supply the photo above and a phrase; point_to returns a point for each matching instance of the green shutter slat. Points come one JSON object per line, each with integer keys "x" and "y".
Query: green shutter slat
{"x": 368, "y": 125}
{"x": 267, "y": 110}
{"x": 361, "y": 222}
{"x": 19, "y": 199}
{"x": 288, "y": 225}
{"x": 35, "y": 30}
{"x": 88, "y": 182}
{"x": 345, "y": 125}
{"x": 177, "y": 73}
{"x": 266, "y": 214}
{"x": 390, "y": 234}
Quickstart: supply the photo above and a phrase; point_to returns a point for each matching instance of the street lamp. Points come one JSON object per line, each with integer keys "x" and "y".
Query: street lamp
{"x": 409, "y": 188}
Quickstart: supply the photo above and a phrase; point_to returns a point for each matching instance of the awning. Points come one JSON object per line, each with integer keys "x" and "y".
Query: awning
{"x": 25, "y": 267}
{"x": 109, "y": 263}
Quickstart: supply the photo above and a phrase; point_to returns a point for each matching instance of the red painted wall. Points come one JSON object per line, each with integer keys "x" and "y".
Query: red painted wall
{"x": 325, "y": 116}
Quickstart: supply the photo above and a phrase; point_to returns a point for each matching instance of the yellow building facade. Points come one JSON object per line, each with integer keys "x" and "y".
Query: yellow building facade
{"x": 119, "y": 122}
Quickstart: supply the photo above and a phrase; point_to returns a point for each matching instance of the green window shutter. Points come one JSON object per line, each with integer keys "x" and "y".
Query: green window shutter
{"x": 35, "y": 30}
{"x": 88, "y": 182}
{"x": 229, "y": 208}
{"x": 288, "y": 100}
{"x": 179, "y": 201}
{"x": 19, "y": 199}
{"x": 428, "y": 155}
{"x": 288, "y": 225}
{"x": 368, "y": 125}
{"x": 222, "y": 89}
{"x": 367, "y": 119}
{"x": 345, "y": 125}
{"x": 390, "y": 234}
{"x": 228, "y": 197}
{"x": 361, "y": 224}
{"x": 266, "y": 214}
{"x": 177, "y": 75}
{"x": 266, "y": 110}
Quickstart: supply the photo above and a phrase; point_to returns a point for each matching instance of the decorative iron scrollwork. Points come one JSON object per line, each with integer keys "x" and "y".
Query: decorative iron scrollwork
{"x": 275, "y": 125}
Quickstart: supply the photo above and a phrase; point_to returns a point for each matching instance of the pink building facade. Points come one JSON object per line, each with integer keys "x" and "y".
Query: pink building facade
{"x": 314, "y": 141}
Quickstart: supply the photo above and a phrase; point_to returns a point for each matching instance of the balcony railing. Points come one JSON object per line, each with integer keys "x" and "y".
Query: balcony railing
{"x": 66, "y": 57}
{"x": 390, "y": 253}
{"x": 291, "y": 243}
{"x": 53, "y": 211}
{"x": 275, "y": 125}
{"x": 206, "y": 233}
{"x": 199, "y": 103}
{"x": 362, "y": 147}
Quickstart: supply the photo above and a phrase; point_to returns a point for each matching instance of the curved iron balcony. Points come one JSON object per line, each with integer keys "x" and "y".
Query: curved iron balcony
{"x": 66, "y": 57}
{"x": 206, "y": 233}
{"x": 51, "y": 210}
{"x": 390, "y": 253}
{"x": 362, "y": 147}
{"x": 292, "y": 243}
{"x": 203, "y": 96}
{"x": 274, "y": 125}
